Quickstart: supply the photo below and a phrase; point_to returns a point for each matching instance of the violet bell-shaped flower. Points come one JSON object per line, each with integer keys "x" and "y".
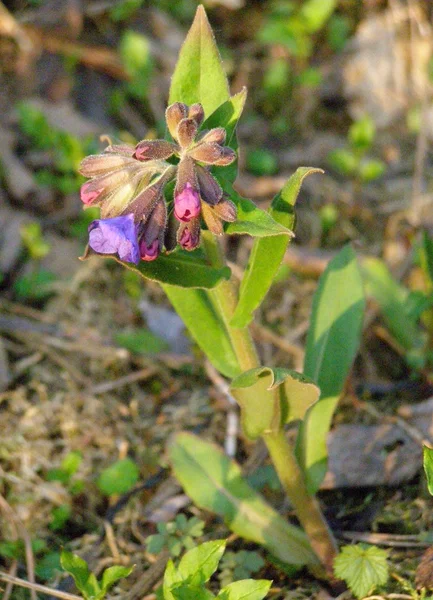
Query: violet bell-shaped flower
{"x": 128, "y": 185}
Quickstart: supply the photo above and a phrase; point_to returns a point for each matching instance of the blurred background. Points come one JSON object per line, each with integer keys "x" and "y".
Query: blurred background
{"x": 95, "y": 367}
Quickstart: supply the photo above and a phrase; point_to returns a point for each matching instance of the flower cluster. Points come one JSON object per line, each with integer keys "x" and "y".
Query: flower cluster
{"x": 128, "y": 185}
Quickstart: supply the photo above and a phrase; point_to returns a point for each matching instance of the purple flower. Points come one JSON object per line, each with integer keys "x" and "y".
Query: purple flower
{"x": 149, "y": 253}
{"x": 187, "y": 204}
{"x": 115, "y": 236}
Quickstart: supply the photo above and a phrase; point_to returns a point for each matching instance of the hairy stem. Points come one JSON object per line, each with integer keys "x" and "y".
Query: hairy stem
{"x": 281, "y": 452}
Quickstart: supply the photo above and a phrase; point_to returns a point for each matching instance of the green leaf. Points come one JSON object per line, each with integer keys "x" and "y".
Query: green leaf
{"x": 261, "y": 162}
{"x": 185, "y": 591}
{"x": 206, "y": 327}
{"x": 59, "y": 516}
{"x": 141, "y": 341}
{"x": 84, "y": 580}
{"x": 370, "y": 170}
{"x": 47, "y": 566}
{"x": 199, "y": 564}
{"x": 171, "y": 578}
{"x": 427, "y": 261}
{"x": 392, "y": 299}
{"x": 112, "y": 575}
{"x": 267, "y": 253}
{"x": 215, "y": 483}
{"x": 246, "y": 589}
{"x": 343, "y": 161}
{"x": 118, "y": 478}
{"x": 35, "y": 286}
{"x": 181, "y": 268}
{"x": 227, "y": 115}
{"x": 332, "y": 343}
{"x": 71, "y": 462}
{"x": 155, "y": 543}
{"x": 315, "y": 13}
{"x": 251, "y": 219}
{"x": 362, "y": 133}
{"x": 271, "y": 397}
{"x": 199, "y": 75}
{"x": 428, "y": 467}
{"x": 362, "y": 568}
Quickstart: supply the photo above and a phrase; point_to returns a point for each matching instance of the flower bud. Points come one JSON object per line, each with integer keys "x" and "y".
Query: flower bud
{"x": 154, "y": 150}
{"x": 206, "y": 153}
{"x": 210, "y": 189}
{"x": 186, "y": 204}
{"x": 149, "y": 253}
{"x": 173, "y": 115}
{"x": 196, "y": 112}
{"x": 188, "y": 234}
{"x": 186, "y": 132}
{"x": 217, "y": 135}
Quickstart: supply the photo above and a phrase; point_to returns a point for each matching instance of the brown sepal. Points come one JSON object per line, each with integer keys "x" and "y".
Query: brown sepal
{"x": 196, "y": 112}
{"x": 186, "y": 132}
{"x": 173, "y": 115}
{"x": 226, "y": 210}
{"x": 210, "y": 189}
{"x": 211, "y": 219}
{"x": 154, "y": 150}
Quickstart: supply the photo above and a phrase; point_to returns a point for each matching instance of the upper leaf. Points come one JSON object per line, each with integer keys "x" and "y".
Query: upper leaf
{"x": 206, "y": 326}
{"x": 251, "y": 219}
{"x": 113, "y": 574}
{"x": 180, "y": 268}
{"x": 267, "y": 253}
{"x": 199, "y": 75}
{"x": 272, "y": 397}
{"x": 332, "y": 343}
{"x": 215, "y": 483}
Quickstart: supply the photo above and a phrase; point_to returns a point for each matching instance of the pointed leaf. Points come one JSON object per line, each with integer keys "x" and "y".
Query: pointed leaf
{"x": 199, "y": 564}
{"x": 392, "y": 298}
{"x": 113, "y": 574}
{"x": 180, "y": 268}
{"x": 171, "y": 579}
{"x": 77, "y": 567}
{"x": 215, "y": 483}
{"x": 184, "y": 591}
{"x": 332, "y": 343}
{"x": 251, "y": 219}
{"x": 428, "y": 467}
{"x": 199, "y": 75}
{"x": 246, "y": 589}
{"x": 267, "y": 253}
{"x": 203, "y": 322}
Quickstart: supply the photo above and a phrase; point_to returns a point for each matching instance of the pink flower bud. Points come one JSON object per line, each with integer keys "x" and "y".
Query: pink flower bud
{"x": 87, "y": 194}
{"x": 187, "y": 204}
{"x": 149, "y": 253}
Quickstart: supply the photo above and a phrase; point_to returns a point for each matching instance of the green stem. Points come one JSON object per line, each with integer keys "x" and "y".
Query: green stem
{"x": 306, "y": 507}
{"x": 281, "y": 452}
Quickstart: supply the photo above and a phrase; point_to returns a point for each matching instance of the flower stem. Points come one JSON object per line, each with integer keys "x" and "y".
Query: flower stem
{"x": 281, "y": 452}
{"x": 306, "y": 507}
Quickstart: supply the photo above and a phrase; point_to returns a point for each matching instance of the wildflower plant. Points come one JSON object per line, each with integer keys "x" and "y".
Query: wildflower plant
{"x": 164, "y": 203}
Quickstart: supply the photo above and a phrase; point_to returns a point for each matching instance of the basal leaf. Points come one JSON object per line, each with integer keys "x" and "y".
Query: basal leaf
{"x": 270, "y": 398}
{"x": 215, "y": 483}
{"x": 200, "y": 563}
{"x": 428, "y": 467}
{"x": 392, "y": 299}
{"x": 246, "y": 589}
{"x": 199, "y": 75}
{"x": 251, "y": 219}
{"x": 332, "y": 343}
{"x": 267, "y": 253}
{"x": 180, "y": 268}
{"x": 196, "y": 310}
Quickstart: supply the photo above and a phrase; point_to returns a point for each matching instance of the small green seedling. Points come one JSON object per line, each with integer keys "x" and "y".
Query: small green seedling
{"x": 118, "y": 478}
{"x": 187, "y": 580}
{"x": 90, "y": 587}
{"x": 352, "y": 161}
{"x": 362, "y": 567}
{"x": 33, "y": 241}
{"x": 175, "y": 535}
{"x": 239, "y": 565}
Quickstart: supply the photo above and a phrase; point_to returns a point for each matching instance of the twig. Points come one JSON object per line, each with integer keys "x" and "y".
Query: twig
{"x": 36, "y": 587}
{"x": 30, "y": 563}
{"x": 109, "y": 386}
{"x": 232, "y": 426}
{"x": 385, "y": 539}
